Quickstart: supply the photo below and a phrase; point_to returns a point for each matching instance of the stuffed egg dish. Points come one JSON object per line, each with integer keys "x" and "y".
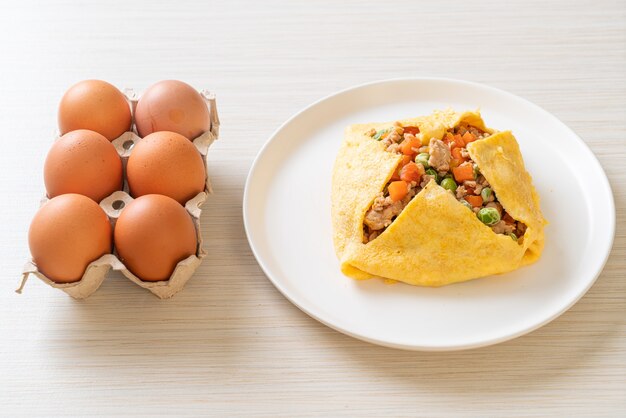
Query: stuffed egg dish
{"x": 433, "y": 200}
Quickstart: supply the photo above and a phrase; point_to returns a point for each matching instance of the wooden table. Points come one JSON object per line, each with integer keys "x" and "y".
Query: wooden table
{"x": 230, "y": 344}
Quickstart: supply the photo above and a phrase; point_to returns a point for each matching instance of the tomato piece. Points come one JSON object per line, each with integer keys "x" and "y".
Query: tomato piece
{"x": 404, "y": 161}
{"x": 508, "y": 218}
{"x": 411, "y": 172}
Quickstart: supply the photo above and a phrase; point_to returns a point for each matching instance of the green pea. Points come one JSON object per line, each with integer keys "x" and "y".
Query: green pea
{"x": 486, "y": 193}
{"x": 488, "y": 216}
{"x": 379, "y": 134}
{"x": 448, "y": 184}
{"x": 433, "y": 173}
{"x": 476, "y": 171}
{"x": 513, "y": 236}
{"x": 423, "y": 159}
{"x": 466, "y": 204}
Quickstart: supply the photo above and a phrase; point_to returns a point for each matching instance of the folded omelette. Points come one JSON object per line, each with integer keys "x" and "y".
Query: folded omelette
{"x": 433, "y": 200}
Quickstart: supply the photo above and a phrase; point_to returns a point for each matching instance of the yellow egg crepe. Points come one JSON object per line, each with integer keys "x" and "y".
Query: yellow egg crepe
{"x": 437, "y": 238}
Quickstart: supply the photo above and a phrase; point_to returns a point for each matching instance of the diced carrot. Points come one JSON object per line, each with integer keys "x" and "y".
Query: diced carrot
{"x": 469, "y": 137}
{"x": 455, "y": 163}
{"x": 456, "y": 154}
{"x": 403, "y": 161}
{"x": 397, "y": 190}
{"x": 475, "y": 201}
{"x": 458, "y": 141}
{"x": 408, "y": 144}
{"x": 463, "y": 172}
{"x": 411, "y": 172}
{"x": 411, "y": 130}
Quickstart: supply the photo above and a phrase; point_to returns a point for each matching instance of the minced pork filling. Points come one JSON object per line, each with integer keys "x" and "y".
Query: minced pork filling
{"x": 449, "y": 164}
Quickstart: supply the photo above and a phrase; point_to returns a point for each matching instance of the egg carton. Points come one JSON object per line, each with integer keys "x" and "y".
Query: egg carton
{"x": 113, "y": 205}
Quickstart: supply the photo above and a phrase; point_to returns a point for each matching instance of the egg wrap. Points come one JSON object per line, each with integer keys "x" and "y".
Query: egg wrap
{"x": 435, "y": 240}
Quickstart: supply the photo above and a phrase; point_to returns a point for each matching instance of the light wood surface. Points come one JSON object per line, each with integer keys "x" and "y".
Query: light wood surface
{"x": 230, "y": 344}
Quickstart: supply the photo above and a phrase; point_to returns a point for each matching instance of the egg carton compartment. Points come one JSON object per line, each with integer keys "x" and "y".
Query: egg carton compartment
{"x": 125, "y": 143}
{"x": 96, "y": 271}
{"x": 90, "y": 282}
{"x": 113, "y": 205}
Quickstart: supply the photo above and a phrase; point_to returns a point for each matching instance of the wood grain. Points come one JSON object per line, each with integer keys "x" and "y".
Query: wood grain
{"x": 230, "y": 344}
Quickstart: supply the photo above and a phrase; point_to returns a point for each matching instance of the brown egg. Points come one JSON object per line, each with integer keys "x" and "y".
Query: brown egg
{"x": 166, "y": 163}
{"x": 66, "y": 234}
{"x": 152, "y": 234}
{"x": 83, "y": 162}
{"x": 173, "y": 106}
{"x": 95, "y": 105}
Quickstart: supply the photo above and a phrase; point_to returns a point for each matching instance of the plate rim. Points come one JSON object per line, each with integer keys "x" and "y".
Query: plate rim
{"x": 455, "y": 347}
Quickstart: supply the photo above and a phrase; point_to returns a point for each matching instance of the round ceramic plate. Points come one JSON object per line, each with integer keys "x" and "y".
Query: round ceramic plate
{"x": 286, "y": 212}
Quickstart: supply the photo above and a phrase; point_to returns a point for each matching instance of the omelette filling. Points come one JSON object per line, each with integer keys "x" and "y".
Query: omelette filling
{"x": 446, "y": 161}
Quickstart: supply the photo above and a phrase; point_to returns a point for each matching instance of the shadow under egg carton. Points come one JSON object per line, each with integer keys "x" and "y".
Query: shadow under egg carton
{"x": 114, "y": 204}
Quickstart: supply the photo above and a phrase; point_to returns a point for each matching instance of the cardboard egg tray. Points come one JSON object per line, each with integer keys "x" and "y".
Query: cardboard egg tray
{"x": 113, "y": 206}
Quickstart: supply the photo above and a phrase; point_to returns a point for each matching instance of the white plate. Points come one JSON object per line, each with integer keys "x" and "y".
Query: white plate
{"x": 286, "y": 213}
